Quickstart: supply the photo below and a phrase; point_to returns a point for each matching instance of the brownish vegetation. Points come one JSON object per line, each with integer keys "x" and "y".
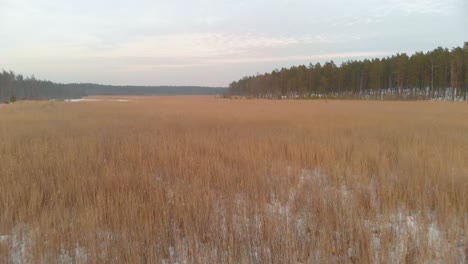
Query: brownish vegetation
{"x": 205, "y": 180}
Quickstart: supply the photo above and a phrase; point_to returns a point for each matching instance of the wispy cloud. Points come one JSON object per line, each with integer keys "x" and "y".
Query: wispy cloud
{"x": 392, "y": 9}
{"x": 209, "y": 44}
{"x": 176, "y": 45}
{"x": 420, "y": 6}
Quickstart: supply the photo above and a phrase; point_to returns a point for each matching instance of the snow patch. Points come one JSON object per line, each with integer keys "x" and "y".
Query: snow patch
{"x": 21, "y": 245}
{"x": 81, "y": 100}
{"x": 392, "y": 237}
{"x": 95, "y": 100}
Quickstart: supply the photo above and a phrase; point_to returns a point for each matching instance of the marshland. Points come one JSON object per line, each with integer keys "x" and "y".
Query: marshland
{"x": 198, "y": 179}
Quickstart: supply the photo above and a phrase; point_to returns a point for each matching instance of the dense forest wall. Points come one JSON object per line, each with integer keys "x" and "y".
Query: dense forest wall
{"x": 30, "y": 88}
{"x": 438, "y": 74}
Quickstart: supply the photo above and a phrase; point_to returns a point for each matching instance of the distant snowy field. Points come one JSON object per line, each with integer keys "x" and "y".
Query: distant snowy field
{"x": 94, "y": 100}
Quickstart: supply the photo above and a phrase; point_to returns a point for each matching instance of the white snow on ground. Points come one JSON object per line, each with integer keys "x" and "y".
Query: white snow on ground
{"x": 413, "y": 231}
{"x": 79, "y": 255}
{"x": 19, "y": 242}
{"x": 392, "y": 237}
{"x": 95, "y": 100}
{"x": 81, "y": 100}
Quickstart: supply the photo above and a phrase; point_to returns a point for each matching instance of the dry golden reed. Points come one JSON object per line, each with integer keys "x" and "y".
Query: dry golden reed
{"x": 206, "y": 180}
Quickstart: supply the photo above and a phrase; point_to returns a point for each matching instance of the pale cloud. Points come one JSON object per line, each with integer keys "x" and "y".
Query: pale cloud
{"x": 198, "y": 45}
{"x": 421, "y": 6}
{"x": 207, "y": 44}
{"x": 394, "y": 8}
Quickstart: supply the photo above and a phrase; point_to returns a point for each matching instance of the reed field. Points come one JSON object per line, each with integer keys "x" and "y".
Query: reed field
{"x": 211, "y": 180}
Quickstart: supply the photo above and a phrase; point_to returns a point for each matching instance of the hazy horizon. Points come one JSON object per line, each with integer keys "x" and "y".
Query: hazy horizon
{"x": 211, "y": 43}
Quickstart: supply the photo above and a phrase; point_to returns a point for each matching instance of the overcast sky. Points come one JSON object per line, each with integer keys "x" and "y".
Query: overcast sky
{"x": 212, "y": 42}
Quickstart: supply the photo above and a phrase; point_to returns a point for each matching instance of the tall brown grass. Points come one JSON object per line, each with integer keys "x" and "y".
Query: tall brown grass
{"x": 205, "y": 180}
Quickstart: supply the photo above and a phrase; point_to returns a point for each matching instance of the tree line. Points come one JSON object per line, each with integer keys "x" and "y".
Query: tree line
{"x": 17, "y": 87}
{"x": 29, "y": 88}
{"x": 437, "y": 74}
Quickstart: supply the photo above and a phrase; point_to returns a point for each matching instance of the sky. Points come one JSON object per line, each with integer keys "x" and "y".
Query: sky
{"x": 213, "y": 42}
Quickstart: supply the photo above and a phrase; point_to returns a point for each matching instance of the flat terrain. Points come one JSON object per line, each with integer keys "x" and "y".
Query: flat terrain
{"x": 207, "y": 180}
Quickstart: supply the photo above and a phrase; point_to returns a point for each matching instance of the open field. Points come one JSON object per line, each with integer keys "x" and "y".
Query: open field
{"x": 205, "y": 180}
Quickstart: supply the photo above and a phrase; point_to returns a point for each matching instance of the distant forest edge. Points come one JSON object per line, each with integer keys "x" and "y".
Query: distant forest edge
{"x": 440, "y": 74}
{"x": 30, "y": 88}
